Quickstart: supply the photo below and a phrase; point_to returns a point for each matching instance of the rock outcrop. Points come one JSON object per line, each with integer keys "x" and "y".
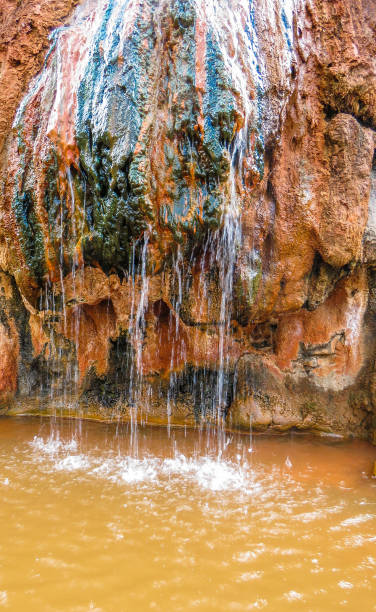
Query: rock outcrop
{"x": 188, "y": 211}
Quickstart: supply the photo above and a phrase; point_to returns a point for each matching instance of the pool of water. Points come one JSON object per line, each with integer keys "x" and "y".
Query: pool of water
{"x": 97, "y": 516}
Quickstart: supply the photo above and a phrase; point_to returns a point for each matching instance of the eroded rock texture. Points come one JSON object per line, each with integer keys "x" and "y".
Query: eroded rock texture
{"x": 188, "y": 213}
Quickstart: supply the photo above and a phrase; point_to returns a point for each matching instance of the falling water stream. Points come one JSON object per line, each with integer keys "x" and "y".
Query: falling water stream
{"x": 82, "y": 90}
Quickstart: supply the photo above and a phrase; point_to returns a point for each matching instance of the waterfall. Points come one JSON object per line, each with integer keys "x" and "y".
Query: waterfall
{"x": 138, "y": 147}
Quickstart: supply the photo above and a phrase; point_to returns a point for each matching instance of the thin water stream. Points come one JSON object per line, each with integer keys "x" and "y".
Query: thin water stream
{"x": 93, "y": 517}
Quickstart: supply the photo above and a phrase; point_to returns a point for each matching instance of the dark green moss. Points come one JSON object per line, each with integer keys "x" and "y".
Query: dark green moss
{"x": 31, "y": 235}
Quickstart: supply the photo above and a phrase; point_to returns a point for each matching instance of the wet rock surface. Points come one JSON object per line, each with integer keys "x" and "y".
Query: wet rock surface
{"x": 187, "y": 220}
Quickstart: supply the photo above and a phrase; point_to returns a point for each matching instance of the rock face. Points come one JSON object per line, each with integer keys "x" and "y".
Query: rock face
{"x": 188, "y": 212}
{"x": 24, "y": 31}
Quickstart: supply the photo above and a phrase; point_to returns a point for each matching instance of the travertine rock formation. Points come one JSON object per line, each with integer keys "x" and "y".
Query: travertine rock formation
{"x": 188, "y": 212}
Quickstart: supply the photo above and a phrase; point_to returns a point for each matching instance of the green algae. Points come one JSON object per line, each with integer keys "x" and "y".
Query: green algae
{"x": 114, "y": 184}
{"x": 31, "y": 235}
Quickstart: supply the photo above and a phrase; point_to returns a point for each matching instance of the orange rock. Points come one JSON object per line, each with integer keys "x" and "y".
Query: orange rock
{"x": 299, "y": 338}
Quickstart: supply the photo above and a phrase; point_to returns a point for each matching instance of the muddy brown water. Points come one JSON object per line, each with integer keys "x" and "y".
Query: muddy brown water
{"x": 96, "y": 516}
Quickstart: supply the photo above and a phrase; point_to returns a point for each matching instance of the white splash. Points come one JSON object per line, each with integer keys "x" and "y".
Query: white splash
{"x": 3, "y": 598}
{"x": 345, "y": 585}
{"x": 357, "y": 520}
{"x": 53, "y": 445}
{"x": 293, "y": 596}
{"x": 209, "y": 473}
